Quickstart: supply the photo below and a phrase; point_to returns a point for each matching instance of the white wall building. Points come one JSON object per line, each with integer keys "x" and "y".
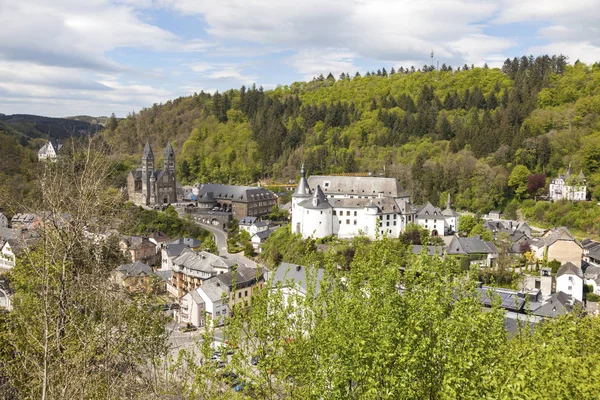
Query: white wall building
{"x": 346, "y": 206}
{"x": 3, "y": 221}
{"x": 436, "y": 221}
{"x": 50, "y": 150}
{"x": 7, "y": 257}
{"x": 569, "y": 280}
{"x": 568, "y": 186}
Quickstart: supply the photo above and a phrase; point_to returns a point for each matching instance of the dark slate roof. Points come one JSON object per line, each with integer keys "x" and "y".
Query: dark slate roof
{"x": 240, "y": 194}
{"x": 358, "y": 185}
{"x": 168, "y": 151}
{"x": 247, "y": 221}
{"x": 263, "y": 235}
{"x": 431, "y": 212}
{"x": 302, "y": 189}
{"x": 592, "y": 272}
{"x": 242, "y": 275}
{"x": 569, "y": 269}
{"x": 135, "y": 269}
{"x": 260, "y": 224}
{"x": 556, "y": 234}
{"x": 317, "y": 201}
{"x": 558, "y": 304}
{"x": 189, "y": 242}
{"x": 165, "y": 275}
{"x": 509, "y": 299}
{"x": 175, "y": 249}
{"x": 148, "y": 154}
{"x": 431, "y": 250}
{"x": 472, "y": 245}
{"x": 385, "y": 204}
{"x": 296, "y": 275}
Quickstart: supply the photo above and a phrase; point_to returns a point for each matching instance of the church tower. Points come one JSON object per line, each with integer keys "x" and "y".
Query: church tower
{"x": 169, "y": 168}
{"x": 148, "y": 180}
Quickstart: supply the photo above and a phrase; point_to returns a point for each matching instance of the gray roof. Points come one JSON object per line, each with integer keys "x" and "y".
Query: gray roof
{"x": 196, "y": 297}
{"x": 569, "y": 269}
{"x": 472, "y": 245}
{"x": 247, "y": 221}
{"x": 201, "y": 261}
{"x": 135, "y": 269}
{"x": 263, "y": 235}
{"x": 385, "y": 204}
{"x": 148, "y": 154}
{"x": 558, "y": 304}
{"x": 168, "y": 151}
{"x": 317, "y": 201}
{"x": 357, "y": 185}
{"x": 135, "y": 242}
{"x": 56, "y": 144}
{"x": 165, "y": 275}
{"x": 214, "y": 289}
{"x": 295, "y": 275}
{"x": 243, "y": 275}
{"x": 509, "y": 299}
{"x": 555, "y": 234}
{"x": 431, "y": 250}
{"x": 592, "y": 272}
{"x": 189, "y": 242}
{"x": 175, "y": 249}
{"x": 240, "y": 194}
{"x": 431, "y": 212}
{"x": 303, "y": 189}
{"x": 260, "y": 224}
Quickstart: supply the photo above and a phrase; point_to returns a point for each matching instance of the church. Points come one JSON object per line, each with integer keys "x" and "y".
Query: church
{"x": 349, "y": 206}
{"x": 147, "y": 186}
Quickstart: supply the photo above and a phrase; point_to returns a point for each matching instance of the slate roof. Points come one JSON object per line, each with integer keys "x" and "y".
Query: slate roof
{"x": 189, "y": 242}
{"x": 239, "y": 194}
{"x": 247, "y": 221}
{"x": 472, "y": 245}
{"x": 165, "y": 275}
{"x": 135, "y": 269}
{"x": 242, "y": 275}
{"x": 168, "y": 151}
{"x": 430, "y": 212}
{"x": 569, "y": 269}
{"x": 296, "y": 275}
{"x": 260, "y": 224}
{"x": 175, "y": 249}
{"x": 56, "y": 144}
{"x": 553, "y": 235}
{"x": 405, "y": 206}
{"x": 558, "y": 304}
{"x": 385, "y": 204}
{"x": 159, "y": 237}
{"x": 202, "y": 261}
{"x": 136, "y": 242}
{"x": 431, "y": 250}
{"x": 196, "y": 298}
{"x": 318, "y": 201}
{"x": 592, "y": 272}
{"x": 148, "y": 154}
{"x": 214, "y": 290}
{"x": 509, "y": 299}
{"x": 358, "y": 185}
{"x": 303, "y": 189}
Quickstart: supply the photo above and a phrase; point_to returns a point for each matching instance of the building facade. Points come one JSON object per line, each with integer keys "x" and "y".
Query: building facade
{"x": 568, "y": 187}
{"x": 240, "y": 201}
{"x": 347, "y": 206}
{"x": 50, "y": 150}
{"x": 148, "y": 186}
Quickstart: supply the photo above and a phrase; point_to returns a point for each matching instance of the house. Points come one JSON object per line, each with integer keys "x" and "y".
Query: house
{"x": 258, "y": 226}
{"x": 217, "y": 295}
{"x": 436, "y": 221}
{"x": 259, "y": 238}
{"x": 174, "y": 249}
{"x": 7, "y": 257}
{"x": 569, "y": 280}
{"x": 349, "y": 206}
{"x": 417, "y": 249}
{"x": 246, "y": 222}
{"x": 591, "y": 252}
{"x": 558, "y": 304}
{"x": 557, "y": 244}
{"x": 135, "y": 277}
{"x": 592, "y": 277}
{"x": 495, "y": 215}
{"x": 297, "y": 280}
{"x": 148, "y": 186}
{"x": 240, "y": 201}
{"x": 191, "y": 269}
{"x": 139, "y": 249}
{"x": 189, "y": 242}
{"x": 544, "y": 282}
{"x": 508, "y": 227}
{"x": 3, "y": 221}
{"x": 159, "y": 239}
{"x": 568, "y": 187}
{"x": 25, "y": 221}
{"x": 479, "y": 252}
{"x": 49, "y": 151}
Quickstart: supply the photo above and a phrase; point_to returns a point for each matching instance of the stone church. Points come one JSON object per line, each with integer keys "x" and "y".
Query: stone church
{"x": 148, "y": 186}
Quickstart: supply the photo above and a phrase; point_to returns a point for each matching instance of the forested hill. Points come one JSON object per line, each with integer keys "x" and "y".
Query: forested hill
{"x": 438, "y": 131}
{"x": 26, "y": 127}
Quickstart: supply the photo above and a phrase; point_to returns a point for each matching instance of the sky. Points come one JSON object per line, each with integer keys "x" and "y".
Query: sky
{"x": 96, "y": 57}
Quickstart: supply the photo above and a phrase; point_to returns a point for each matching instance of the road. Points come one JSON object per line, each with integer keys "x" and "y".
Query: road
{"x": 221, "y": 241}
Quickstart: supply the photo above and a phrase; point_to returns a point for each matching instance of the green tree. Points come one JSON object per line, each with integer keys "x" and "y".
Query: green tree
{"x": 518, "y": 181}
{"x": 210, "y": 245}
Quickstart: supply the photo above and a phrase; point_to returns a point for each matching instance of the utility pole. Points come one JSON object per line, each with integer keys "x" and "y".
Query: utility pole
{"x": 431, "y": 58}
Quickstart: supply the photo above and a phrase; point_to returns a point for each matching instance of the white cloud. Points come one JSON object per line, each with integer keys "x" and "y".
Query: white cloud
{"x": 223, "y": 71}
{"x": 313, "y": 62}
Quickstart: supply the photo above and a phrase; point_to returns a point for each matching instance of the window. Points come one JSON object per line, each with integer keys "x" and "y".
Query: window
{"x": 326, "y": 184}
{"x": 354, "y": 222}
{"x": 538, "y": 284}
{"x": 348, "y": 213}
{"x": 355, "y": 213}
{"x": 334, "y": 212}
{"x": 239, "y": 295}
{"x": 394, "y": 223}
{"x": 245, "y": 293}
{"x": 388, "y": 216}
{"x": 387, "y": 223}
{"x": 321, "y": 212}
{"x": 347, "y": 222}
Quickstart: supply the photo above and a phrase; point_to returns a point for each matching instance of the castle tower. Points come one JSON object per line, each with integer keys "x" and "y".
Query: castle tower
{"x": 169, "y": 167}
{"x": 169, "y": 159}
{"x": 301, "y": 194}
{"x": 147, "y": 174}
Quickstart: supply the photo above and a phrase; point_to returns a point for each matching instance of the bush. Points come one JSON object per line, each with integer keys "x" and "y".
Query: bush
{"x": 593, "y": 297}
{"x": 555, "y": 265}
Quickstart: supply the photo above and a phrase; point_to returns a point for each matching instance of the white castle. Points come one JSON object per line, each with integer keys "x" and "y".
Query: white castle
{"x": 568, "y": 186}
{"x": 347, "y": 206}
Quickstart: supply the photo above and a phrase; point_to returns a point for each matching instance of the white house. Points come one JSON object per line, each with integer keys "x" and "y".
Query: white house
{"x": 480, "y": 252}
{"x": 209, "y": 302}
{"x": 50, "y": 150}
{"x": 568, "y": 186}
{"x": 436, "y": 221}
{"x": 7, "y": 257}
{"x": 192, "y": 309}
{"x": 347, "y": 206}
{"x": 5, "y": 295}
{"x": 569, "y": 280}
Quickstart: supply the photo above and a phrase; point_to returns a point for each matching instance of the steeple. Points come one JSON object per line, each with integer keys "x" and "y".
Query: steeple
{"x": 302, "y": 189}
{"x": 318, "y": 197}
{"x": 169, "y": 159}
{"x": 148, "y": 154}
{"x": 448, "y": 203}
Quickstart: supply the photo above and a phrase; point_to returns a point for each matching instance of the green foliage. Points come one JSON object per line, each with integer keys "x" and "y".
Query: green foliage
{"x": 282, "y": 245}
{"x": 554, "y": 265}
{"x": 581, "y": 217}
{"x": 139, "y": 221}
{"x": 467, "y": 223}
{"x": 518, "y": 181}
{"x": 210, "y": 245}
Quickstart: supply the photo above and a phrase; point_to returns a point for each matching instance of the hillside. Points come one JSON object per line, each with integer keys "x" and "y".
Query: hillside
{"x": 26, "y": 127}
{"x": 461, "y": 132}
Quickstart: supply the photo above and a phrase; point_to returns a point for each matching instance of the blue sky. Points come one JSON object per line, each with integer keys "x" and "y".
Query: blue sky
{"x": 95, "y": 57}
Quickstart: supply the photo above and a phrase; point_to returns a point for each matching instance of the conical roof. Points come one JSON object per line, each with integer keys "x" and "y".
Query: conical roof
{"x": 169, "y": 151}
{"x": 148, "y": 151}
{"x": 302, "y": 189}
{"x": 581, "y": 175}
{"x": 318, "y": 196}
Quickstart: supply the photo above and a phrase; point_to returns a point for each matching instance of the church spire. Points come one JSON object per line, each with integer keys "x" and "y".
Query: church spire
{"x": 302, "y": 189}
{"x": 147, "y": 152}
{"x": 448, "y": 203}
